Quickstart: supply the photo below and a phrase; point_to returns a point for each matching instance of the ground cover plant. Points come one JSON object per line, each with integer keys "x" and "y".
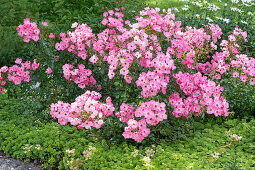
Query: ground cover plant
{"x": 135, "y": 81}
{"x": 208, "y": 143}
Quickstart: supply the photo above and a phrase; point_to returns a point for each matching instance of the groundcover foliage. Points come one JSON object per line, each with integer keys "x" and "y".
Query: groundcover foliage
{"x": 211, "y": 143}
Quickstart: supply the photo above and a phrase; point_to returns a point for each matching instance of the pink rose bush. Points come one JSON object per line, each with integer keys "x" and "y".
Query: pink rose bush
{"x": 171, "y": 66}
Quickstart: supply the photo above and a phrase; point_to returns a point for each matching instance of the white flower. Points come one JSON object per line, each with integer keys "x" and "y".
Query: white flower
{"x": 226, "y": 20}
{"x": 197, "y": 4}
{"x": 244, "y": 22}
{"x": 27, "y": 148}
{"x": 71, "y": 152}
{"x": 86, "y": 154}
{"x": 197, "y": 16}
{"x": 135, "y": 153}
{"x": 236, "y": 137}
{"x": 138, "y": 55}
{"x": 185, "y": 8}
{"x": 209, "y": 19}
{"x": 150, "y": 152}
{"x": 235, "y": 1}
{"x": 212, "y": 7}
{"x": 92, "y": 148}
{"x": 215, "y": 155}
{"x": 38, "y": 147}
{"x": 247, "y": 1}
{"x": 175, "y": 9}
{"x": 147, "y": 160}
{"x": 236, "y": 9}
{"x": 250, "y": 13}
{"x": 227, "y": 133}
{"x": 35, "y": 86}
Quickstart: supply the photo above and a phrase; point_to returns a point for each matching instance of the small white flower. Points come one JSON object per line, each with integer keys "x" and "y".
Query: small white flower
{"x": 197, "y": 16}
{"x": 209, "y": 19}
{"x": 74, "y": 25}
{"x": 185, "y": 8}
{"x": 250, "y": 13}
{"x": 244, "y": 22}
{"x": 150, "y": 152}
{"x": 236, "y": 9}
{"x": 71, "y": 152}
{"x": 86, "y": 154}
{"x": 235, "y": 1}
{"x": 35, "y": 86}
{"x": 227, "y": 133}
{"x": 215, "y": 155}
{"x": 226, "y": 20}
{"x": 175, "y": 9}
{"x": 38, "y": 147}
{"x": 147, "y": 160}
{"x": 138, "y": 55}
{"x": 27, "y": 148}
{"x": 236, "y": 137}
{"x": 197, "y": 4}
{"x": 135, "y": 153}
{"x": 92, "y": 148}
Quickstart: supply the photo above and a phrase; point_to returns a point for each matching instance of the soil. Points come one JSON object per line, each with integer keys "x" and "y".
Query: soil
{"x": 7, "y": 163}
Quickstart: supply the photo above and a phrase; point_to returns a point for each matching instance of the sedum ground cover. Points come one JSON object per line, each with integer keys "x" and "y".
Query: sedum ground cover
{"x": 206, "y": 144}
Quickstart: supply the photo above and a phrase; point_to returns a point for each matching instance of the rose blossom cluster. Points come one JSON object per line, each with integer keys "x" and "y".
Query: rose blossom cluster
{"x": 247, "y": 66}
{"x": 126, "y": 112}
{"x": 203, "y": 95}
{"x": 154, "y": 81}
{"x": 120, "y": 46}
{"x": 76, "y": 41}
{"x": 3, "y": 69}
{"x": 193, "y": 44}
{"x": 136, "y": 130}
{"x": 152, "y": 113}
{"x": 17, "y": 73}
{"x": 28, "y": 30}
{"x": 229, "y": 57}
{"x": 81, "y": 76}
{"x": 86, "y": 111}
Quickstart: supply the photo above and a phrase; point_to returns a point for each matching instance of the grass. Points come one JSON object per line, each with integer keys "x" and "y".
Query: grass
{"x": 164, "y": 4}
